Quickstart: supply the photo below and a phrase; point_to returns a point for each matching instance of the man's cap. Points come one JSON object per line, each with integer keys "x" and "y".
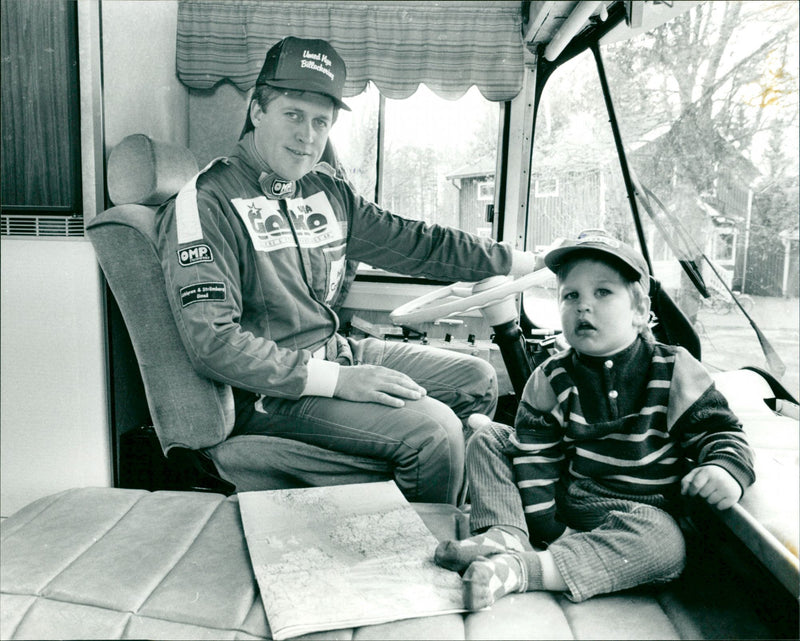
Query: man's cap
{"x": 599, "y": 244}
{"x": 304, "y": 64}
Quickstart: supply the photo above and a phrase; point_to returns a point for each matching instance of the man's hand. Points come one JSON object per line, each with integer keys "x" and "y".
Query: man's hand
{"x": 376, "y": 384}
{"x": 714, "y": 484}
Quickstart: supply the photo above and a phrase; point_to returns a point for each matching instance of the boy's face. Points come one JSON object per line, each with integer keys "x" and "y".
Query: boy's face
{"x": 291, "y": 134}
{"x": 597, "y": 309}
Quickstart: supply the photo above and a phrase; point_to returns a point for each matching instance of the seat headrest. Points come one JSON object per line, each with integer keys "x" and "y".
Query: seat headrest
{"x": 147, "y": 172}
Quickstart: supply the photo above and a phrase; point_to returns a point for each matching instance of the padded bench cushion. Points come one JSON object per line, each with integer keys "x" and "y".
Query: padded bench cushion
{"x": 118, "y": 564}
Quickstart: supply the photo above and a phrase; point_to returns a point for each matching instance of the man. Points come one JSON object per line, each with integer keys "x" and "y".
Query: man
{"x": 254, "y": 251}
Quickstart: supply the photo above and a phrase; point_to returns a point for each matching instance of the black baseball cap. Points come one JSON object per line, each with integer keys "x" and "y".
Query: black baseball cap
{"x": 600, "y": 244}
{"x": 305, "y": 64}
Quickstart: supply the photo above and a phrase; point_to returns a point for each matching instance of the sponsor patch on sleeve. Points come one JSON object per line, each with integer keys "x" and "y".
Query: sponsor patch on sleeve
{"x": 202, "y": 293}
{"x": 195, "y": 254}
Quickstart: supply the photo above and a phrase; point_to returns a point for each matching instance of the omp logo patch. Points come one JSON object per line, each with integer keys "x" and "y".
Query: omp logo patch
{"x": 195, "y": 254}
{"x": 280, "y": 187}
{"x": 202, "y": 293}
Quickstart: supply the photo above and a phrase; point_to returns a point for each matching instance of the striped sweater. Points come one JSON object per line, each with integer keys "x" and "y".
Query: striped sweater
{"x": 634, "y": 423}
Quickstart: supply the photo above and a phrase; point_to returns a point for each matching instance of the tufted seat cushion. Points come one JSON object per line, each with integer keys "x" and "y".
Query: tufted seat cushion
{"x": 124, "y": 564}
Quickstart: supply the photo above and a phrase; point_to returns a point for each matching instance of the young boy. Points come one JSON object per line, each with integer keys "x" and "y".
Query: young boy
{"x": 605, "y": 432}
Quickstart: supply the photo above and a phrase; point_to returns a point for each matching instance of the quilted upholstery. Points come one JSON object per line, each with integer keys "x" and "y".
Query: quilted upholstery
{"x": 120, "y": 564}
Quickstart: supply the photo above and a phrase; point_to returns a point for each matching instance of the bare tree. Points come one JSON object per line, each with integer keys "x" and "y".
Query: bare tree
{"x": 712, "y": 86}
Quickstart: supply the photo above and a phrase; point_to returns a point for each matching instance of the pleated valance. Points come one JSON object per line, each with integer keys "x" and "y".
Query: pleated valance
{"x": 449, "y": 46}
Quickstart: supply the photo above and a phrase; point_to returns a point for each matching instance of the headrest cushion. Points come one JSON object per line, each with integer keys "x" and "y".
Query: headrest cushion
{"x": 146, "y": 171}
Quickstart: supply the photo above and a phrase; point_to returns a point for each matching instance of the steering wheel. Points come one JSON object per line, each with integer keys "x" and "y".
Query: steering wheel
{"x": 494, "y": 296}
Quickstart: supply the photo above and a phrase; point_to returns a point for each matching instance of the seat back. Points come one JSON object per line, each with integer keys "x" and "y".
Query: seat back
{"x": 673, "y": 327}
{"x": 187, "y": 410}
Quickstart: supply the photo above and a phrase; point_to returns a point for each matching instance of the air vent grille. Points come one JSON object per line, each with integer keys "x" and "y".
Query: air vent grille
{"x": 44, "y": 226}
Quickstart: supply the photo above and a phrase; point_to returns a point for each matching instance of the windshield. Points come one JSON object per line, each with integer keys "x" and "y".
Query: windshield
{"x": 708, "y": 112}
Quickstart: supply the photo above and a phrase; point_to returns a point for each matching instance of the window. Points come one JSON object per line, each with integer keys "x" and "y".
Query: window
{"x": 576, "y": 182}
{"x": 721, "y": 155}
{"x": 724, "y": 245}
{"x": 546, "y": 187}
{"x": 486, "y": 191}
{"x": 40, "y": 187}
{"x": 412, "y": 162}
{"x": 717, "y": 162}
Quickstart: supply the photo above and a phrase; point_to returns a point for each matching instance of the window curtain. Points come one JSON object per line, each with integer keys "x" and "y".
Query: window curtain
{"x": 449, "y": 46}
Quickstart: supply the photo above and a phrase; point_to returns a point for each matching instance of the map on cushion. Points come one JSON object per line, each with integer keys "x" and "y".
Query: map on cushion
{"x": 343, "y": 556}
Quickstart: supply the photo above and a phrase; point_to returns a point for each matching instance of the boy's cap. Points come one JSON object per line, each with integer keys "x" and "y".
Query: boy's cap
{"x": 598, "y": 243}
{"x": 305, "y": 65}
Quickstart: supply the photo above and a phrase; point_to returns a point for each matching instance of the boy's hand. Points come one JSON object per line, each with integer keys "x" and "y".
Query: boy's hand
{"x": 714, "y": 484}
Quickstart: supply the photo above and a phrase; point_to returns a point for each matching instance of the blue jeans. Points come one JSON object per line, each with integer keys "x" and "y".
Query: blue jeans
{"x": 423, "y": 441}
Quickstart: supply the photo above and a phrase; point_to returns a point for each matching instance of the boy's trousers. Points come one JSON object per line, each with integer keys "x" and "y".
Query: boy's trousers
{"x": 622, "y": 540}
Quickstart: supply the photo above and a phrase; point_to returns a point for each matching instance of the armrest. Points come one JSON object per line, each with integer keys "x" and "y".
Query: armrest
{"x": 776, "y": 556}
{"x": 767, "y": 519}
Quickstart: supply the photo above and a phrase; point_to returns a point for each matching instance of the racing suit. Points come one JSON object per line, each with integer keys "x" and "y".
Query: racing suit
{"x": 253, "y": 264}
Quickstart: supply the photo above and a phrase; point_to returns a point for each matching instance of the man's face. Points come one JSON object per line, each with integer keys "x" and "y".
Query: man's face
{"x": 291, "y": 134}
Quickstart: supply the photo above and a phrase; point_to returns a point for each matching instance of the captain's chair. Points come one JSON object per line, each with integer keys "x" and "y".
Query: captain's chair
{"x": 190, "y": 413}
